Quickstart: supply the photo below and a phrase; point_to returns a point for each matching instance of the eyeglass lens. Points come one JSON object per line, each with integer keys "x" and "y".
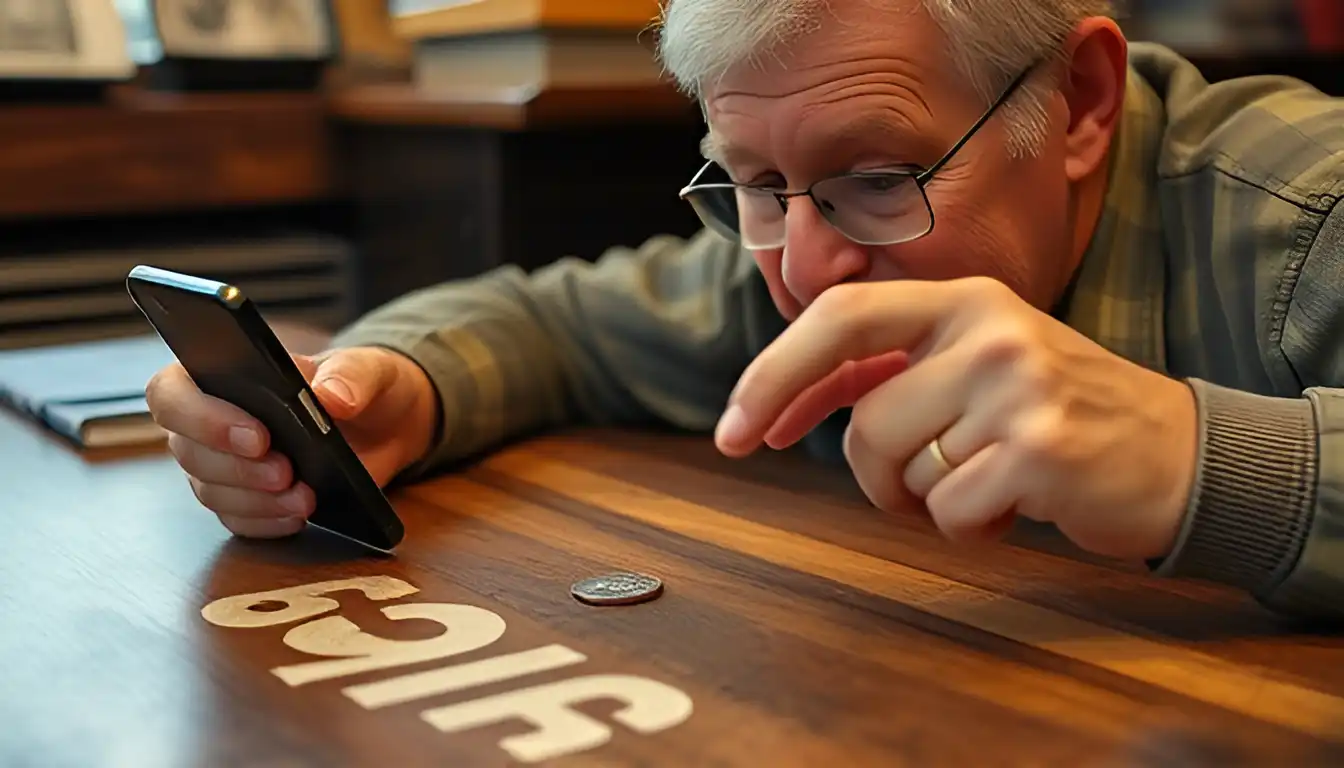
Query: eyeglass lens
{"x": 875, "y": 209}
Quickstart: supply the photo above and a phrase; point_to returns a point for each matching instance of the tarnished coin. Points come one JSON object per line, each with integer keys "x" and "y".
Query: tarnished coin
{"x": 620, "y": 588}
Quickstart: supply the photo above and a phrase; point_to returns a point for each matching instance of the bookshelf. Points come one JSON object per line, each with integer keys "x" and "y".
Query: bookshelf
{"x": 527, "y": 131}
{"x": 241, "y": 187}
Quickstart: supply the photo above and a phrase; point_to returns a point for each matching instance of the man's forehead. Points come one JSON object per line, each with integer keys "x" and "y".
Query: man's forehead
{"x": 865, "y": 74}
{"x": 864, "y": 127}
{"x": 887, "y": 110}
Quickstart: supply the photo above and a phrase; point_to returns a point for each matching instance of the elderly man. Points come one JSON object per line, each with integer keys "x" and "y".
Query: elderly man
{"x": 1002, "y": 263}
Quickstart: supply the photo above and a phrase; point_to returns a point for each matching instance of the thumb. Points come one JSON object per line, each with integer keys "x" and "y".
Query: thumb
{"x": 348, "y": 380}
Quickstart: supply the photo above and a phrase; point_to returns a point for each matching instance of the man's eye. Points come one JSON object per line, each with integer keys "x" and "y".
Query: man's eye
{"x": 769, "y": 181}
{"x": 880, "y": 183}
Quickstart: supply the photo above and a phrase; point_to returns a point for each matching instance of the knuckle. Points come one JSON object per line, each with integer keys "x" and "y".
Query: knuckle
{"x": 180, "y": 409}
{"x": 843, "y": 306}
{"x": 1030, "y": 379}
{"x": 308, "y": 365}
{"x": 1041, "y": 434}
{"x": 182, "y": 451}
{"x": 882, "y": 495}
{"x": 836, "y": 297}
{"x": 152, "y": 389}
{"x": 862, "y": 430}
{"x": 951, "y": 516}
{"x": 984, "y": 288}
{"x": 939, "y": 512}
{"x": 238, "y": 472}
{"x": 348, "y": 362}
{"x": 160, "y": 394}
{"x": 1010, "y": 352}
{"x": 217, "y": 498}
{"x": 884, "y": 502}
{"x": 204, "y": 492}
{"x": 913, "y": 478}
{"x": 269, "y": 474}
{"x": 1003, "y": 344}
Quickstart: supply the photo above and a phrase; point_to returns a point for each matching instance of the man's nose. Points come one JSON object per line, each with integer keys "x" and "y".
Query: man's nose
{"x": 816, "y": 256}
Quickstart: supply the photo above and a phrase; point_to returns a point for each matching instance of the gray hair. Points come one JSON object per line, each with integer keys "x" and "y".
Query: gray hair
{"x": 991, "y": 42}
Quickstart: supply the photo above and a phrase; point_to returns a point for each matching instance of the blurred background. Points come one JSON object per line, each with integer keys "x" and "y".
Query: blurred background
{"x": 329, "y": 156}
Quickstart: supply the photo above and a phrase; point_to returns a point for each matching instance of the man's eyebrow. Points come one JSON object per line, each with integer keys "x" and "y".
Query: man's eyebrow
{"x": 869, "y": 133}
{"x": 725, "y": 154}
{"x": 711, "y": 148}
{"x": 888, "y": 135}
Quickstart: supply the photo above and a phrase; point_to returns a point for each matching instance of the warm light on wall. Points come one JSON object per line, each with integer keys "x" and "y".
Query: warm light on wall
{"x": 418, "y": 19}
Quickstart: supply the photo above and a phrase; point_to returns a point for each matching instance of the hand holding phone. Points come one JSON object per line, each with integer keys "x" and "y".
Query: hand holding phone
{"x": 262, "y": 447}
{"x": 250, "y": 485}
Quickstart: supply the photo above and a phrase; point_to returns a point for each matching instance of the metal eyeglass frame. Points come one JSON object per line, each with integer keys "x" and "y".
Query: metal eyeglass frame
{"x": 921, "y": 178}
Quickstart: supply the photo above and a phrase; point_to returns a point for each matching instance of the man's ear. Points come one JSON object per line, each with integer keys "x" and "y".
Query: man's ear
{"x": 1096, "y": 65}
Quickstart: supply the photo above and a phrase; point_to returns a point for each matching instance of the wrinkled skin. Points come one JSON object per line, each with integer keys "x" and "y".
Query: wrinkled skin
{"x": 1032, "y": 418}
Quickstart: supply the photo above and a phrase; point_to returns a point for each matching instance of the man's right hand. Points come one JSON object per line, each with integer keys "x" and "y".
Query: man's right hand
{"x": 381, "y": 401}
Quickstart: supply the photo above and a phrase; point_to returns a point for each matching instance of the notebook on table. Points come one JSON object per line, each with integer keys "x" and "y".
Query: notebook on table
{"x": 91, "y": 393}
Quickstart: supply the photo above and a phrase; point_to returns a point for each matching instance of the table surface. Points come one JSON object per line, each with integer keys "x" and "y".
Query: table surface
{"x": 799, "y": 626}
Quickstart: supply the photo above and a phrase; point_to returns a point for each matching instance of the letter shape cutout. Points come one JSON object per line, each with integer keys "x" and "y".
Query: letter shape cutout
{"x": 650, "y": 706}
{"x": 301, "y": 602}
{"x": 466, "y": 628}
{"x": 433, "y": 682}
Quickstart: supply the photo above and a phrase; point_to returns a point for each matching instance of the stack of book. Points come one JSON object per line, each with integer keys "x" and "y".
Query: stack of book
{"x": 90, "y": 393}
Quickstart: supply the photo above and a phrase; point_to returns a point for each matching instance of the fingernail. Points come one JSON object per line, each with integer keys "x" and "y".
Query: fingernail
{"x": 245, "y": 440}
{"x": 293, "y": 501}
{"x": 340, "y": 389}
{"x": 732, "y": 428}
{"x": 270, "y": 473}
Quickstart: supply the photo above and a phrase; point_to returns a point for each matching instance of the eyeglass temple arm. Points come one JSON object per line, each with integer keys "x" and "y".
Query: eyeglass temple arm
{"x": 984, "y": 118}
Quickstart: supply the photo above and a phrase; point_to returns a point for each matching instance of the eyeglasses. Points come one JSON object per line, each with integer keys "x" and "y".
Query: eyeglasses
{"x": 869, "y": 207}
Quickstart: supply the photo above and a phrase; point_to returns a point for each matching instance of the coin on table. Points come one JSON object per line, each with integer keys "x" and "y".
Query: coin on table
{"x": 620, "y": 588}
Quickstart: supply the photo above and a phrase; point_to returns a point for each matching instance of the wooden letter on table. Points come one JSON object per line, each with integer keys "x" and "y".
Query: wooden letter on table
{"x": 648, "y": 706}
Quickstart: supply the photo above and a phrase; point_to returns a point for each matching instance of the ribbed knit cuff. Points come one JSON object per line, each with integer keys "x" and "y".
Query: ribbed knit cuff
{"x": 1254, "y": 493}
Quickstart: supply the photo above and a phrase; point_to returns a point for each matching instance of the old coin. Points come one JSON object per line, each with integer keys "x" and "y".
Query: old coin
{"x": 620, "y": 588}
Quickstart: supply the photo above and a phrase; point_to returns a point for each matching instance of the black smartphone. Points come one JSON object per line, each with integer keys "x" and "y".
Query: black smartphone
{"x": 230, "y": 352}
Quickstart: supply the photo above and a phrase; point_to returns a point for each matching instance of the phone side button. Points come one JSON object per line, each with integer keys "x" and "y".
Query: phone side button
{"x": 316, "y": 415}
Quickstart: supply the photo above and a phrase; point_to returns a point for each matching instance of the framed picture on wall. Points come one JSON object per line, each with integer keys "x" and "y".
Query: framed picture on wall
{"x": 246, "y": 29}
{"x": 50, "y": 42}
{"x": 209, "y": 44}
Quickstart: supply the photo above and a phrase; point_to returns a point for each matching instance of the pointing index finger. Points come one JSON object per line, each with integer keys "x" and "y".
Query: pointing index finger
{"x": 848, "y": 322}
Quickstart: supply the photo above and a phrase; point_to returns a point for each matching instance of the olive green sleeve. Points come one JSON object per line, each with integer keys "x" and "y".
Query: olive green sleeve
{"x": 1267, "y": 512}
{"x": 654, "y": 334}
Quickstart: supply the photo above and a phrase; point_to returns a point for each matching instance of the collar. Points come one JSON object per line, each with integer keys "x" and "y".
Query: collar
{"x": 1117, "y": 294}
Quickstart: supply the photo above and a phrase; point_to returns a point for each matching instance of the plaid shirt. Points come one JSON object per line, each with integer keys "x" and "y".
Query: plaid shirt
{"x": 1219, "y": 258}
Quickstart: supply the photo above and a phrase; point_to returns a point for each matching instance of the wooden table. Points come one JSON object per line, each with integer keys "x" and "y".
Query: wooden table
{"x": 799, "y": 627}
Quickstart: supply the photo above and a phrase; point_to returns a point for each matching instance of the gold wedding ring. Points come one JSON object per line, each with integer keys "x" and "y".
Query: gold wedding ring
{"x": 936, "y": 451}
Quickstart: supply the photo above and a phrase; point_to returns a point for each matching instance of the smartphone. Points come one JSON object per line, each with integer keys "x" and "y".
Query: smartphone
{"x": 230, "y": 352}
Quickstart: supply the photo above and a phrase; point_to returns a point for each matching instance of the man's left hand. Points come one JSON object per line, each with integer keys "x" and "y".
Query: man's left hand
{"x": 1031, "y": 418}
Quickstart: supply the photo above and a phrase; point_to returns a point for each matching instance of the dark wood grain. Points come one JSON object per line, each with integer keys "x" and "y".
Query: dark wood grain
{"x": 805, "y": 627}
{"x": 142, "y": 151}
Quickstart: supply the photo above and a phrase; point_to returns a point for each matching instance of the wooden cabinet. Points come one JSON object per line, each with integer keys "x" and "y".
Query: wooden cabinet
{"x": 240, "y": 187}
